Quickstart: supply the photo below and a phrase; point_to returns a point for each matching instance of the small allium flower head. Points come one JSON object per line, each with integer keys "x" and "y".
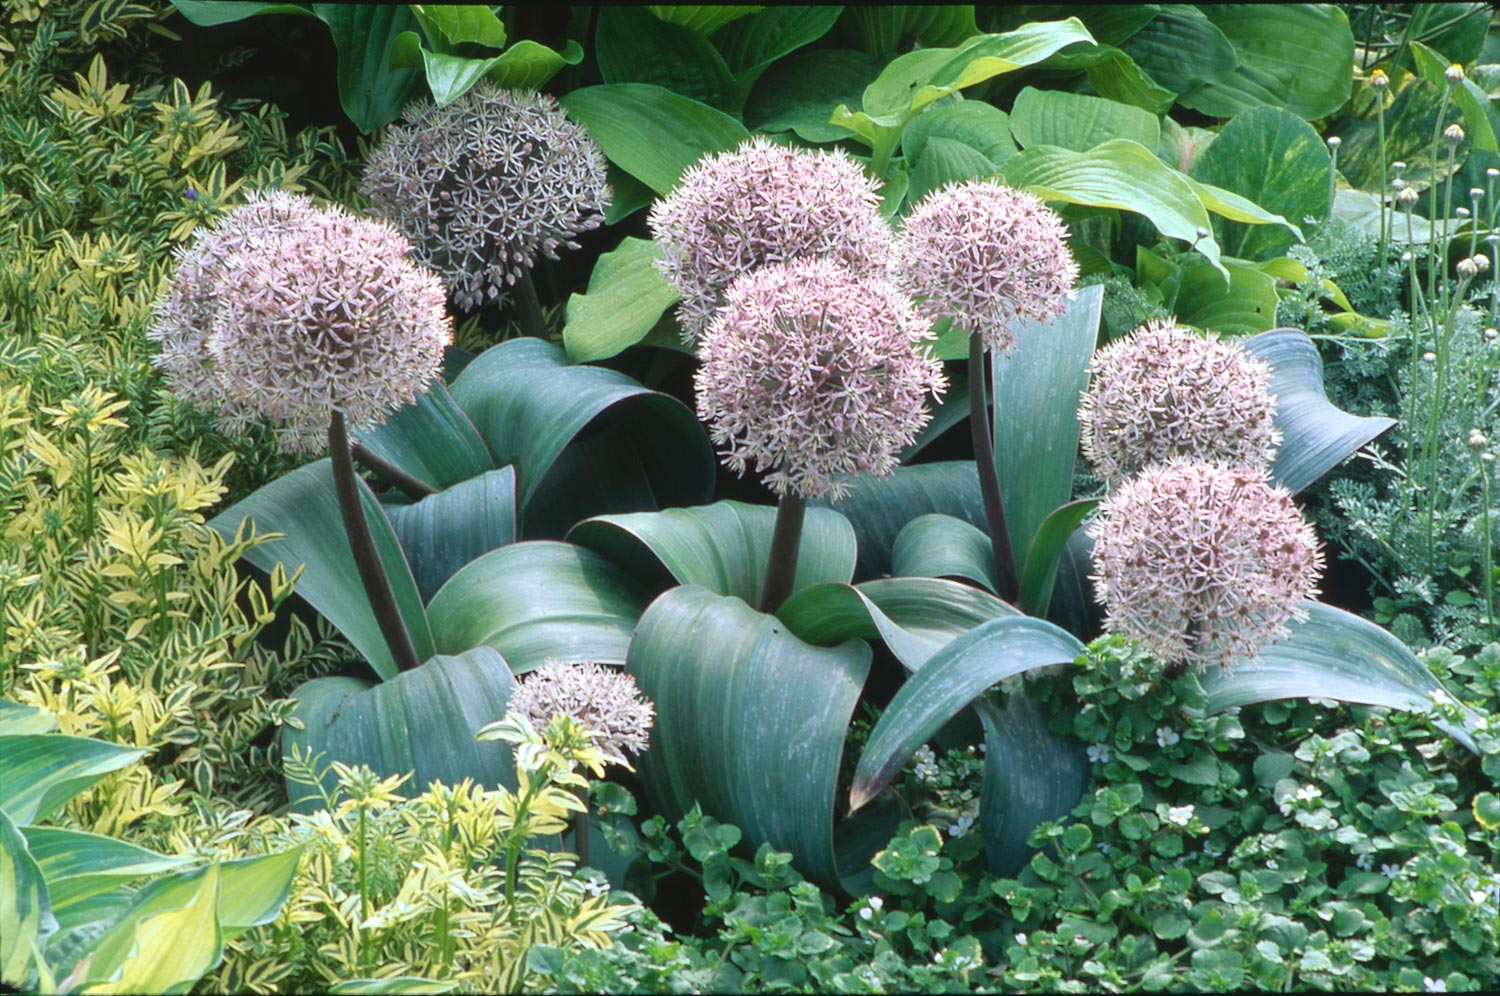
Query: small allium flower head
{"x": 486, "y": 184}
{"x": 989, "y": 257}
{"x": 763, "y": 203}
{"x": 810, "y": 371}
{"x": 1203, "y": 563}
{"x": 605, "y": 701}
{"x": 1163, "y": 391}
{"x": 284, "y": 311}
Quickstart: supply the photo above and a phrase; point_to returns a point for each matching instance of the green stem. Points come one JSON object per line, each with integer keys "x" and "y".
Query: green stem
{"x": 529, "y": 307}
{"x": 1007, "y": 584}
{"x": 1385, "y": 189}
{"x": 1488, "y": 546}
{"x": 786, "y": 541}
{"x": 364, "y": 884}
{"x": 372, "y": 574}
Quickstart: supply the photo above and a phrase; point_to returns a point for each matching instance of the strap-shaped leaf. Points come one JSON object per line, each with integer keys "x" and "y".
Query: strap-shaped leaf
{"x": 945, "y": 686}
{"x": 303, "y": 506}
{"x": 538, "y": 601}
{"x": 1316, "y": 435}
{"x": 750, "y": 721}
{"x": 44, "y": 770}
{"x": 1337, "y": 655}
{"x": 445, "y": 531}
{"x": 431, "y": 439}
{"x": 1048, "y": 547}
{"x": 723, "y": 547}
{"x": 940, "y": 546}
{"x": 422, "y": 721}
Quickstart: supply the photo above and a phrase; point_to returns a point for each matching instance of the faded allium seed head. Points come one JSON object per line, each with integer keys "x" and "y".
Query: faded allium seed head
{"x": 987, "y": 256}
{"x": 1203, "y": 563}
{"x": 486, "y": 184}
{"x": 810, "y": 371}
{"x": 606, "y": 702}
{"x": 763, "y": 203}
{"x": 1163, "y": 391}
{"x": 285, "y": 311}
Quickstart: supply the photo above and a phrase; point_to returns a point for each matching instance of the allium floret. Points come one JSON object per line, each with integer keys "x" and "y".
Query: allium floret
{"x": 1202, "y": 562}
{"x": 1164, "y": 391}
{"x": 811, "y": 371}
{"x": 987, "y": 256}
{"x": 486, "y": 184}
{"x": 605, "y": 701}
{"x": 763, "y": 203}
{"x": 284, "y": 312}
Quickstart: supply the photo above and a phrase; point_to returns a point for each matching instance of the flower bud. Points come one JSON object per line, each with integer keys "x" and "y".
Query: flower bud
{"x": 1335, "y": 142}
{"x": 1454, "y": 74}
{"x": 1379, "y": 80}
{"x": 1407, "y": 197}
{"x": 1453, "y": 134}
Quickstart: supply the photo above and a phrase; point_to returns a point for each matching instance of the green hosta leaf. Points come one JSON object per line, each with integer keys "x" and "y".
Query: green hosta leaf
{"x": 164, "y": 951}
{"x": 1039, "y": 569}
{"x": 303, "y": 506}
{"x": 1115, "y": 76}
{"x": 1316, "y": 435}
{"x": 705, "y": 20}
{"x": 1036, "y": 392}
{"x": 449, "y": 76}
{"x": 17, "y": 718}
{"x": 1336, "y": 655}
{"x": 79, "y": 865}
{"x": 208, "y": 13}
{"x": 431, "y": 439}
{"x": 1412, "y": 115}
{"x": 449, "y": 25}
{"x": 44, "y": 770}
{"x": 443, "y": 532}
{"x": 25, "y": 909}
{"x": 1031, "y": 775}
{"x": 751, "y": 44}
{"x": 724, "y": 547}
{"x": 1295, "y": 56}
{"x": 883, "y": 29}
{"x": 940, "y": 546}
{"x": 879, "y": 507}
{"x": 651, "y": 132}
{"x": 372, "y": 93}
{"x": 1077, "y": 121}
{"x": 423, "y": 721}
{"x": 750, "y": 721}
{"x": 1246, "y": 304}
{"x": 529, "y": 403}
{"x": 252, "y": 890}
{"x": 798, "y": 93}
{"x": 632, "y": 46}
{"x": 947, "y": 684}
{"x": 626, "y": 297}
{"x": 945, "y": 161}
{"x": 1479, "y": 113}
{"x": 537, "y": 601}
{"x": 528, "y": 65}
{"x": 1182, "y": 49}
{"x": 1275, "y": 159}
{"x": 973, "y": 123}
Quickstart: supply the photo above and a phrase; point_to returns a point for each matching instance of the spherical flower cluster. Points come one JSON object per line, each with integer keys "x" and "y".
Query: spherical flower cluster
{"x": 285, "y": 311}
{"x": 810, "y": 371}
{"x": 1203, "y": 563}
{"x": 987, "y": 256}
{"x": 763, "y": 203}
{"x": 604, "y": 701}
{"x": 1164, "y": 391}
{"x": 487, "y": 183}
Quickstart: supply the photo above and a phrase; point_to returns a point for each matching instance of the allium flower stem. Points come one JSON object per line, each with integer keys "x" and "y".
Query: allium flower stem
{"x": 581, "y": 834}
{"x": 371, "y": 573}
{"x": 413, "y": 487}
{"x": 529, "y": 307}
{"x": 1007, "y": 585}
{"x": 786, "y": 540}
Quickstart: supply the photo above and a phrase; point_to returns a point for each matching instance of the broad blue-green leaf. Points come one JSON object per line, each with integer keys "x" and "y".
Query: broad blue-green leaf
{"x": 1040, "y": 567}
{"x": 798, "y": 93}
{"x": 946, "y": 684}
{"x": 444, "y": 531}
{"x": 529, "y": 403}
{"x": 879, "y": 507}
{"x": 1295, "y": 56}
{"x": 423, "y": 721}
{"x": 724, "y": 547}
{"x": 626, "y": 297}
{"x": 372, "y": 93}
{"x": 1036, "y": 392}
{"x": 208, "y": 13}
{"x": 431, "y": 439}
{"x": 1275, "y": 159}
{"x": 538, "y": 601}
{"x": 951, "y": 411}
{"x": 632, "y": 46}
{"x": 651, "y": 132}
{"x": 750, "y": 721}
{"x": 1077, "y": 121}
{"x": 1337, "y": 655}
{"x": 25, "y": 909}
{"x": 303, "y": 506}
{"x": 1316, "y": 435}
{"x": 45, "y": 770}
{"x": 940, "y": 546}
{"x": 1031, "y": 776}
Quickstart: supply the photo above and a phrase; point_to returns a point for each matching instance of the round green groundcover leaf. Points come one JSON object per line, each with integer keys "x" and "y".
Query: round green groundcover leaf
{"x": 750, "y": 721}
{"x": 422, "y": 721}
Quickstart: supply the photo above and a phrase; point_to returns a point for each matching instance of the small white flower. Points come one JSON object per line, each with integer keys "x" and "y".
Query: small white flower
{"x": 1365, "y": 862}
{"x": 1272, "y": 864}
{"x": 925, "y": 768}
{"x": 1434, "y": 985}
{"x": 876, "y": 902}
{"x": 1180, "y": 815}
{"x": 1098, "y": 753}
{"x": 1021, "y": 939}
{"x": 1478, "y": 896}
{"x": 960, "y": 826}
{"x": 865, "y": 912}
{"x": 922, "y": 880}
{"x": 1309, "y": 792}
{"x": 1390, "y": 871}
{"x": 1166, "y": 736}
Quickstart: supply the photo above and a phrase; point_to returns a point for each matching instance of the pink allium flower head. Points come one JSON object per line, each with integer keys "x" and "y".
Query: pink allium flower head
{"x": 763, "y": 203}
{"x": 484, "y": 185}
{"x": 1203, "y": 562}
{"x": 284, "y": 312}
{"x": 1164, "y": 391}
{"x": 604, "y": 701}
{"x": 989, "y": 257}
{"x": 811, "y": 371}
